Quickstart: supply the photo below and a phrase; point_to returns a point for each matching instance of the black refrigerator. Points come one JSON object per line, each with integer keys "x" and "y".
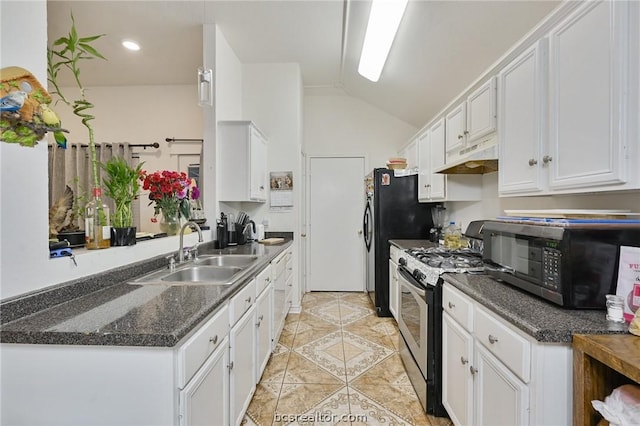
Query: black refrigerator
{"x": 392, "y": 211}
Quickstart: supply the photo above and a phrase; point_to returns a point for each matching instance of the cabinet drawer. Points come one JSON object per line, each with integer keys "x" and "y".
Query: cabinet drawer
{"x": 195, "y": 351}
{"x": 263, "y": 280}
{"x": 242, "y": 301}
{"x": 506, "y": 344}
{"x": 459, "y": 306}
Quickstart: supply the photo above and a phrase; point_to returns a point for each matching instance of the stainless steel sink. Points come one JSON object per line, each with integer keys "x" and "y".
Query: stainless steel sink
{"x": 236, "y": 260}
{"x": 203, "y": 275}
{"x": 191, "y": 275}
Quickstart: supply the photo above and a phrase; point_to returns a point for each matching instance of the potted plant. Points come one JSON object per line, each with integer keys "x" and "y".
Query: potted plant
{"x": 66, "y": 54}
{"x": 122, "y": 186}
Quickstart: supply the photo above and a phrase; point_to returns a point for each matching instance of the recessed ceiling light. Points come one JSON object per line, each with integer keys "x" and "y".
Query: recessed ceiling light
{"x": 131, "y": 45}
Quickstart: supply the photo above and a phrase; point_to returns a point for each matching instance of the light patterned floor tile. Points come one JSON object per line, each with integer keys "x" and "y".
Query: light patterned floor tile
{"x": 327, "y": 352}
{"x": 298, "y": 398}
{"x": 350, "y": 312}
{"x": 390, "y": 372}
{"x": 361, "y": 354}
{"x": 301, "y": 370}
{"x": 333, "y": 410}
{"x": 277, "y": 365}
{"x": 337, "y": 363}
{"x": 263, "y": 405}
{"x": 369, "y": 412}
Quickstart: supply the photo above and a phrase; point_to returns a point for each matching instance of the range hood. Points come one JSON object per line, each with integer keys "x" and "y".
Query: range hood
{"x": 476, "y": 159}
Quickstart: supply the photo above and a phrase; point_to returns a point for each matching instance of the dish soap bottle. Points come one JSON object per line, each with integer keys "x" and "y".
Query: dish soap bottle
{"x": 452, "y": 236}
{"x": 97, "y": 222}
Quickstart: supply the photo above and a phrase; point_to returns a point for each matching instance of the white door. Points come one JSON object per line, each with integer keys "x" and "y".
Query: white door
{"x": 335, "y": 241}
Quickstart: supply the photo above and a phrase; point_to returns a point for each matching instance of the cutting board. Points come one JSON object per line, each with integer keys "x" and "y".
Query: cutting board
{"x": 271, "y": 241}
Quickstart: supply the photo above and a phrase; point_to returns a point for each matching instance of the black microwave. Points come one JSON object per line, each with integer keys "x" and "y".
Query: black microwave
{"x": 573, "y": 266}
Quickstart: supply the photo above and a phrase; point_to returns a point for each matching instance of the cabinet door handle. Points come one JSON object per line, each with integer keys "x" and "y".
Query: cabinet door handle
{"x": 258, "y": 324}
{"x": 230, "y": 366}
{"x": 473, "y": 370}
{"x": 214, "y": 339}
{"x": 451, "y": 305}
{"x": 547, "y": 159}
{"x": 268, "y": 279}
{"x": 466, "y": 132}
{"x": 261, "y": 187}
{"x": 460, "y": 137}
{"x": 533, "y": 162}
{"x": 463, "y": 360}
{"x": 248, "y": 299}
{"x": 261, "y": 317}
{"x": 492, "y": 339}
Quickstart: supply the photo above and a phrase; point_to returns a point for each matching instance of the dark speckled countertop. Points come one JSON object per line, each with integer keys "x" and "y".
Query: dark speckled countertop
{"x": 121, "y": 314}
{"x": 540, "y": 319}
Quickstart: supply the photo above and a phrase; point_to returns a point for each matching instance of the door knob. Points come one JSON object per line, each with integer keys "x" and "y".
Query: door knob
{"x": 360, "y": 232}
{"x": 533, "y": 162}
{"x": 303, "y": 235}
{"x": 547, "y": 159}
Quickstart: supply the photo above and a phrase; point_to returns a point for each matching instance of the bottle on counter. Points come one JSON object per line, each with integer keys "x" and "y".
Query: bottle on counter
{"x": 452, "y": 236}
{"x": 97, "y": 222}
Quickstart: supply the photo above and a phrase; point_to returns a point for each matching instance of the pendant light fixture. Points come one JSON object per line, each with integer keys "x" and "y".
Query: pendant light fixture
{"x": 384, "y": 20}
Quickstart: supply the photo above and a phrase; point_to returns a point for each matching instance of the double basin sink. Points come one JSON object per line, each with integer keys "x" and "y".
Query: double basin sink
{"x": 205, "y": 270}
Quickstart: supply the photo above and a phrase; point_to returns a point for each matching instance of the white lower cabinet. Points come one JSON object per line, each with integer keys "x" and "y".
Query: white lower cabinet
{"x": 282, "y": 292}
{"x": 264, "y": 315}
{"x": 500, "y": 397}
{"x": 205, "y": 400}
{"x": 242, "y": 353}
{"x": 494, "y": 374}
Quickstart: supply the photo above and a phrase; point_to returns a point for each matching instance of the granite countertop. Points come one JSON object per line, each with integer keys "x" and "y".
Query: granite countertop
{"x": 540, "y": 319}
{"x": 122, "y": 314}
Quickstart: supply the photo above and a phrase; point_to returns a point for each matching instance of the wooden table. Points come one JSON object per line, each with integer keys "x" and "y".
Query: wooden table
{"x": 601, "y": 363}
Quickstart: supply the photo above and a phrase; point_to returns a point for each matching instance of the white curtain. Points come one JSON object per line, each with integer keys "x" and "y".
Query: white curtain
{"x": 72, "y": 167}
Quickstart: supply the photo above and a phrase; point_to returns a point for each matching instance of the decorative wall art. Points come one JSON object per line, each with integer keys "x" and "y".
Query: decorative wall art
{"x": 25, "y": 115}
{"x": 281, "y": 194}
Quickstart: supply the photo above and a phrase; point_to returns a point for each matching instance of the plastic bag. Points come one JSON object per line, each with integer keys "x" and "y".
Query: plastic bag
{"x": 622, "y": 407}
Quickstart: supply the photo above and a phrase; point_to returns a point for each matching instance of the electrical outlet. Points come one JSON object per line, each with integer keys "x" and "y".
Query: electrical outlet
{"x": 265, "y": 222}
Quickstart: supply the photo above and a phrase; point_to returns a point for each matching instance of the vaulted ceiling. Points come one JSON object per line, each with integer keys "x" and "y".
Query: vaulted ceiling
{"x": 441, "y": 47}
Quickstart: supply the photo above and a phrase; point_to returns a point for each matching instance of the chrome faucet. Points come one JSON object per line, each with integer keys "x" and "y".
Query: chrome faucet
{"x": 181, "y": 249}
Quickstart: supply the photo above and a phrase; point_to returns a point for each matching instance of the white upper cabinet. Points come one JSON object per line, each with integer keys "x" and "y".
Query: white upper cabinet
{"x": 588, "y": 53}
{"x": 431, "y": 186}
{"x": 481, "y": 111}
{"x": 521, "y": 123}
{"x": 471, "y": 120}
{"x": 410, "y": 152}
{"x": 568, "y": 105}
{"x": 456, "y": 122}
{"x": 242, "y": 149}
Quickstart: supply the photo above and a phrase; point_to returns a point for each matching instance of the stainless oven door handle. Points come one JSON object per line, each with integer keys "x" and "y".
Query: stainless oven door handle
{"x": 409, "y": 279}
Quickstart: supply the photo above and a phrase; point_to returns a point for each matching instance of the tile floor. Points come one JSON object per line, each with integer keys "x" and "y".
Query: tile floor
{"x": 337, "y": 363}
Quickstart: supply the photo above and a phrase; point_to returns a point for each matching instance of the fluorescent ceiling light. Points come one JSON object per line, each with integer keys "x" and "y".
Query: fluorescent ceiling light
{"x": 131, "y": 45}
{"x": 384, "y": 20}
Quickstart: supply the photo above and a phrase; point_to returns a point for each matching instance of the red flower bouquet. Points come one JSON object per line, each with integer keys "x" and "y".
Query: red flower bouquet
{"x": 170, "y": 192}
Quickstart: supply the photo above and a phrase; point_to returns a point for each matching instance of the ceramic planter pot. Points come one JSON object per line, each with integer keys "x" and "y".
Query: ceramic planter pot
{"x": 123, "y": 236}
{"x": 75, "y": 238}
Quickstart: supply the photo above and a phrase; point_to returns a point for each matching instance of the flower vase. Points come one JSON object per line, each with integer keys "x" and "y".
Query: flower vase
{"x": 170, "y": 224}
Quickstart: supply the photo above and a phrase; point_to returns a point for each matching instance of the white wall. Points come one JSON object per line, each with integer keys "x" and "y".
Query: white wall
{"x": 336, "y": 123}
{"x": 272, "y": 98}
